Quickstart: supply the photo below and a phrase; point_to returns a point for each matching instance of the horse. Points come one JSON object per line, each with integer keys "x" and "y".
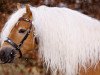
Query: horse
{"x": 65, "y": 40}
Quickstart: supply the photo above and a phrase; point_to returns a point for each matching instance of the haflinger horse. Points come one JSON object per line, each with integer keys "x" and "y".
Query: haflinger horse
{"x": 68, "y": 42}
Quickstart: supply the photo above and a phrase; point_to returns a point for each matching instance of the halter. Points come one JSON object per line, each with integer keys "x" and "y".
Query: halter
{"x": 17, "y": 47}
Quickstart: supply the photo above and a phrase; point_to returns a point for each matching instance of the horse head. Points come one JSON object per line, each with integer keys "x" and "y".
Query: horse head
{"x": 21, "y": 41}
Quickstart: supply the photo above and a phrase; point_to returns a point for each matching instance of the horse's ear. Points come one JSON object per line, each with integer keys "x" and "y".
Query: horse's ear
{"x": 28, "y": 12}
{"x": 18, "y": 6}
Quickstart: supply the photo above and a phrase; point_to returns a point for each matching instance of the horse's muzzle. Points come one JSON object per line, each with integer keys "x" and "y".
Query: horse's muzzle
{"x": 7, "y": 54}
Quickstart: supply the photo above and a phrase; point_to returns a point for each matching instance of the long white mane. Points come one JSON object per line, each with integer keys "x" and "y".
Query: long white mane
{"x": 67, "y": 38}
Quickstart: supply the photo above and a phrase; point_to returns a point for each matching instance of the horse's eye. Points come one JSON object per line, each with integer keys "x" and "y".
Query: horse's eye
{"x": 22, "y": 30}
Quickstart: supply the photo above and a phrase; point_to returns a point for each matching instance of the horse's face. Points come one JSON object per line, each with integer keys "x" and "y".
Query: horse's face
{"x": 22, "y": 30}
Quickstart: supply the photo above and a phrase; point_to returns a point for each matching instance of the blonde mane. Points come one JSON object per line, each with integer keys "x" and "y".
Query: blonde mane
{"x": 67, "y": 38}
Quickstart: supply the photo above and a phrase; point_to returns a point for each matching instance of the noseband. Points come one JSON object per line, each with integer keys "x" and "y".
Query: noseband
{"x": 17, "y": 47}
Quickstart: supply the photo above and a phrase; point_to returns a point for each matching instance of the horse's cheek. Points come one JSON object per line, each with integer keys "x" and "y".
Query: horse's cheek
{"x": 26, "y": 47}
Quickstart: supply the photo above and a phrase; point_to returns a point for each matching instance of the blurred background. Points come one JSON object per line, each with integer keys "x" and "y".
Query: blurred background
{"x": 7, "y": 7}
{"x": 88, "y": 7}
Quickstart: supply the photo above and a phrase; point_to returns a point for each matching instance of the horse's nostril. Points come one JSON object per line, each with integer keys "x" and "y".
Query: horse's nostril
{"x": 2, "y": 53}
{"x": 7, "y": 55}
